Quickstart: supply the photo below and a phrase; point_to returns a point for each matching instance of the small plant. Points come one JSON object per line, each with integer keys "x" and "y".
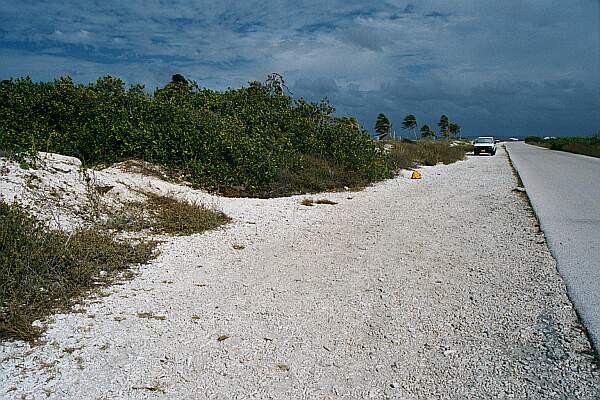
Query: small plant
{"x": 151, "y": 315}
{"x": 310, "y": 202}
{"x": 282, "y": 367}
{"x": 325, "y": 201}
{"x": 307, "y": 202}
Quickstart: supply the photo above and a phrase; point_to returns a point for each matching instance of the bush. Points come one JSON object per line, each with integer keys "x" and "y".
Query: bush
{"x": 240, "y": 141}
{"x": 533, "y": 139}
{"x": 589, "y": 146}
{"x": 43, "y": 270}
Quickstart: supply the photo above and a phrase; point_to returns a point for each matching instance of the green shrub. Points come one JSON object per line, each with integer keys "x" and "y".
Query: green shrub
{"x": 240, "y": 141}
{"x": 533, "y": 139}
{"x": 589, "y": 146}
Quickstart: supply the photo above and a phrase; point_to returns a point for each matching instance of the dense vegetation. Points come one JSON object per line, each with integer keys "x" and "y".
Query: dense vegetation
{"x": 44, "y": 270}
{"x": 589, "y": 146}
{"x": 252, "y": 141}
{"x": 409, "y": 154}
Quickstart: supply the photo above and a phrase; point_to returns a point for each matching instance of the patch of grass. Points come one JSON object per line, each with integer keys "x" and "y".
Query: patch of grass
{"x": 155, "y": 388}
{"x": 325, "y": 201}
{"x": 151, "y": 315}
{"x": 102, "y": 190}
{"x": 9, "y": 154}
{"x": 310, "y": 202}
{"x": 282, "y": 367}
{"x": 45, "y": 271}
{"x": 589, "y": 146}
{"x": 166, "y": 215}
{"x": 588, "y": 149}
{"x": 176, "y": 217}
{"x": 312, "y": 175}
{"x": 145, "y": 168}
{"x": 223, "y": 338}
{"x": 406, "y": 155}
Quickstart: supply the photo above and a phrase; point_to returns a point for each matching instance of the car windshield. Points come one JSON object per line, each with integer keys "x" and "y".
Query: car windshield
{"x": 485, "y": 140}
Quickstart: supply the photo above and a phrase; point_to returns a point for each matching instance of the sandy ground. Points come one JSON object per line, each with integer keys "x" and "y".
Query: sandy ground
{"x": 435, "y": 289}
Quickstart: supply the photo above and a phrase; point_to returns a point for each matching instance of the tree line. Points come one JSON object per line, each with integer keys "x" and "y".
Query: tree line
{"x": 447, "y": 129}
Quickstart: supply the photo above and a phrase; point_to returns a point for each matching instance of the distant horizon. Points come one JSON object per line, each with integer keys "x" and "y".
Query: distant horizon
{"x": 488, "y": 66}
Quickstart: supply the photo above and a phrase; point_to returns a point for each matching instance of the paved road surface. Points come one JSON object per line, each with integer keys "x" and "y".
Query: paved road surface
{"x": 564, "y": 189}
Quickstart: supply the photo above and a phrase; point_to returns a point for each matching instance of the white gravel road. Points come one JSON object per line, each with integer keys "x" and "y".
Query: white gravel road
{"x": 435, "y": 289}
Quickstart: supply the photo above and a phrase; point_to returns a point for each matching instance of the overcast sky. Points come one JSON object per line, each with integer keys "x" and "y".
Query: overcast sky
{"x": 512, "y": 67}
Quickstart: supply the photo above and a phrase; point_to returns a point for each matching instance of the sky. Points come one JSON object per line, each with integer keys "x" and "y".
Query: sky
{"x": 504, "y": 68}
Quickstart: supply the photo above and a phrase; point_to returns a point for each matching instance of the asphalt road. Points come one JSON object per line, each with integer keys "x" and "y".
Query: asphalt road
{"x": 564, "y": 190}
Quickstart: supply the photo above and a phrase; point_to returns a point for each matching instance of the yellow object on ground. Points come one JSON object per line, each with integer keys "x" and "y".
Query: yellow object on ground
{"x": 416, "y": 175}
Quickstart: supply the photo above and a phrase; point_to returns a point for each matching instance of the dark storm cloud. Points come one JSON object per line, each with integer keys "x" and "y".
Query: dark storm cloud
{"x": 495, "y": 67}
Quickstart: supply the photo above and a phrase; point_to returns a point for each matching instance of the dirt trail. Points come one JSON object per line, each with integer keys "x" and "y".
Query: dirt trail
{"x": 439, "y": 288}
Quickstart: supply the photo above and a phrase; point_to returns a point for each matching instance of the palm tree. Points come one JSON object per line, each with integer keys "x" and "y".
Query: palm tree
{"x": 382, "y": 126}
{"x": 426, "y": 132}
{"x": 454, "y": 129}
{"x": 410, "y": 122}
{"x": 443, "y": 124}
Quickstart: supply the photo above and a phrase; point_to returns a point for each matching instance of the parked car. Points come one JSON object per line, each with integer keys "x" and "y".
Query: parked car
{"x": 484, "y": 144}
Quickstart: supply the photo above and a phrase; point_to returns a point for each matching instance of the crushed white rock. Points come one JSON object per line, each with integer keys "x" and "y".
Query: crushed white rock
{"x": 430, "y": 289}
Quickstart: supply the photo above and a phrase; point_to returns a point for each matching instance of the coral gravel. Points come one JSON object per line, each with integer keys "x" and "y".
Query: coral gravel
{"x": 441, "y": 288}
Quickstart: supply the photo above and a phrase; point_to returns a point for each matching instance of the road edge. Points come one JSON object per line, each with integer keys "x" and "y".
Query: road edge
{"x": 525, "y": 196}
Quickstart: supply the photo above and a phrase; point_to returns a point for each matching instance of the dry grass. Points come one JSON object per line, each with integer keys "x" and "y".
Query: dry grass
{"x": 589, "y": 146}
{"x": 151, "y": 315}
{"x": 44, "y": 271}
{"x": 282, "y": 367}
{"x": 315, "y": 175}
{"x": 311, "y": 202}
{"x": 166, "y": 215}
{"x": 325, "y": 201}
{"x": 143, "y": 168}
{"x": 407, "y": 155}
